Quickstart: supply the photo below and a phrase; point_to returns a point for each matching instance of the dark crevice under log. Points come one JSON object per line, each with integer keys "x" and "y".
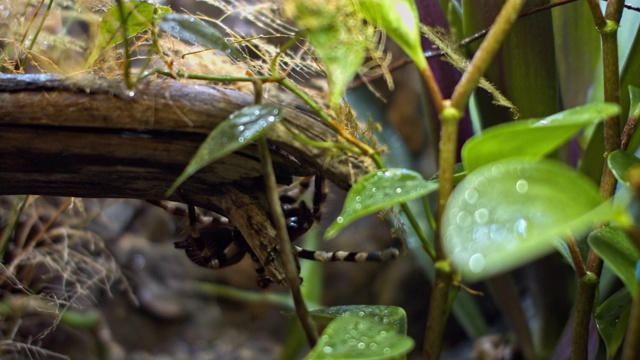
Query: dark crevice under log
{"x": 87, "y": 137}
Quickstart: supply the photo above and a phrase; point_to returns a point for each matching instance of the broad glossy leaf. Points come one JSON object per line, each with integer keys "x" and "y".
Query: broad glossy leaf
{"x": 393, "y": 315}
{"x": 620, "y": 162}
{"x": 511, "y": 212}
{"x": 399, "y": 19}
{"x": 138, "y": 17}
{"x": 364, "y": 334}
{"x": 619, "y": 252}
{"x": 190, "y": 29}
{"x": 531, "y": 139}
{"x": 612, "y": 318}
{"x": 239, "y": 130}
{"x": 380, "y": 190}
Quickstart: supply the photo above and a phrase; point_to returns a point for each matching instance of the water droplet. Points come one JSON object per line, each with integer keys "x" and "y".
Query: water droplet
{"x": 327, "y": 349}
{"x": 373, "y": 346}
{"x": 471, "y": 196}
{"x": 241, "y": 139}
{"x": 398, "y": 190}
{"x": 358, "y": 198}
{"x": 386, "y": 350}
{"x": 340, "y": 220}
{"x": 522, "y": 186}
{"x": 358, "y": 206}
{"x": 361, "y": 345}
{"x": 520, "y": 227}
{"x": 241, "y": 128}
{"x": 383, "y": 333}
{"x": 477, "y": 262}
{"x": 481, "y": 216}
{"x": 374, "y": 189}
{"x": 131, "y": 93}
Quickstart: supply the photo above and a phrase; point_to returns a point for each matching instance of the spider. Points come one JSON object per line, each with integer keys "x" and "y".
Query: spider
{"x": 215, "y": 243}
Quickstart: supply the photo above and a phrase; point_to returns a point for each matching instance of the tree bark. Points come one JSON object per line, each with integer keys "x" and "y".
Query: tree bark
{"x": 90, "y": 137}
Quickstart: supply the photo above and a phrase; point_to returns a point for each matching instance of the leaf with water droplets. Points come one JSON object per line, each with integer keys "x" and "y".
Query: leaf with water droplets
{"x": 187, "y": 28}
{"x": 612, "y": 318}
{"x": 239, "y": 130}
{"x": 511, "y": 212}
{"x": 380, "y": 190}
{"x": 619, "y": 252}
{"x": 363, "y": 332}
{"x": 532, "y": 139}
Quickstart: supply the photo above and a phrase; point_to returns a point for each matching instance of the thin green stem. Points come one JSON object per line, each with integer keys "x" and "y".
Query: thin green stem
{"x": 587, "y": 286}
{"x": 448, "y": 147}
{"x": 322, "y": 144}
{"x": 485, "y": 54}
{"x": 283, "y": 49}
{"x": 438, "y": 313}
{"x": 433, "y": 88}
{"x": 125, "y": 43}
{"x": 40, "y": 25}
{"x": 426, "y": 244}
{"x": 608, "y": 27}
{"x": 596, "y": 13}
{"x": 366, "y": 149}
{"x": 286, "y": 250}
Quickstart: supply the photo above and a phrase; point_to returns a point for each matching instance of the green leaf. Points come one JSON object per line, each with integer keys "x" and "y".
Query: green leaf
{"x": 380, "y": 190}
{"x": 531, "y": 139}
{"x": 619, "y": 252}
{"x": 508, "y": 213}
{"x": 577, "y": 51}
{"x": 400, "y": 20}
{"x": 363, "y": 332}
{"x": 612, "y": 318}
{"x": 239, "y": 130}
{"x": 138, "y": 17}
{"x": 620, "y": 162}
{"x": 338, "y": 36}
{"x": 190, "y": 29}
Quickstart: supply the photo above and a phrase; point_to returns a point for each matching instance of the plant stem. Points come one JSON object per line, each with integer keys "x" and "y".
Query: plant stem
{"x": 286, "y": 250}
{"x": 608, "y": 28}
{"x": 438, "y": 313}
{"x": 125, "y": 44}
{"x": 587, "y": 286}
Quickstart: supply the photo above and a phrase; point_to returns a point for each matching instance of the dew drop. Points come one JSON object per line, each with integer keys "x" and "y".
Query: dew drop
{"x": 361, "y": 345}
{"x": 522, "y": 186}
{"x": 241, "y": 128}
{"x": 131, "y": 93}
{"x": 463, "y": 218}
{"x": 374, "y": 189}
{"x": 358, "y": 206}
{"x": 398, "y": 190}
{"x": 358, "y": 198}
{"x": 340, "y": 220}
{"x": 471, "y": 196}
{"x": 327, "y": 349}
{"x": 386, "y": 351}
{"x": 373, "y": 346}
{"x": 241, "y": 139}
{"x": 481, "y": 216}
{"x": 477, "y": 262}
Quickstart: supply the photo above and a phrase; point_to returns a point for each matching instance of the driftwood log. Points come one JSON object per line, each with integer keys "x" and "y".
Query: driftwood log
{"x": 90, "y": 137}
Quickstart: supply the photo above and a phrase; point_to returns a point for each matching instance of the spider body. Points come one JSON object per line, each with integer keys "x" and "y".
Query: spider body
{"x": 219, "y": 244}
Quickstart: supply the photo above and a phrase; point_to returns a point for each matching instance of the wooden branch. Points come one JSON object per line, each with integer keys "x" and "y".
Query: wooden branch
{"x": 90, "y": 137}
